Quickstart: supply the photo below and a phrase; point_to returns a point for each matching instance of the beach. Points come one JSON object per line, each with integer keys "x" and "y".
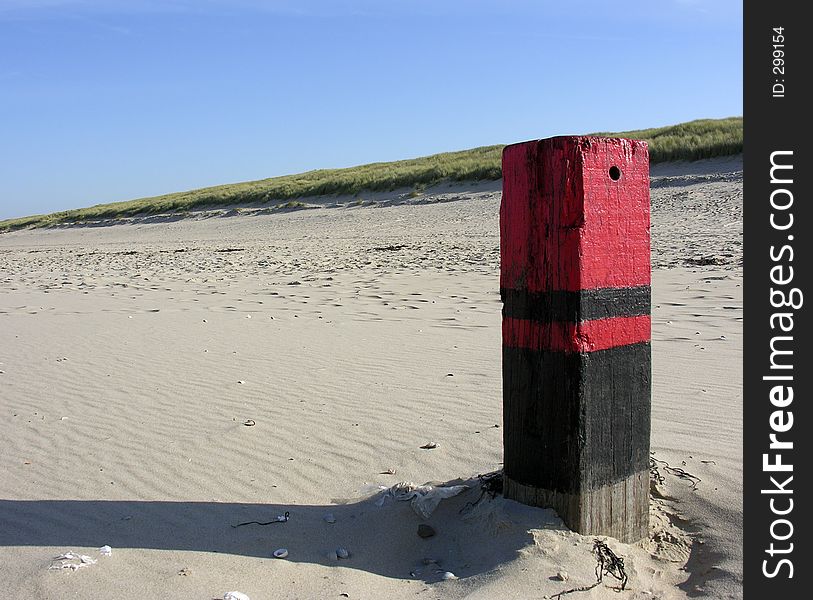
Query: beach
{"x": 165, "y": 380}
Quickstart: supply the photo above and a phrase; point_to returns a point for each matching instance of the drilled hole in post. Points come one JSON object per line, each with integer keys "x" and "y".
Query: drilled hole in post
{"x": 615, "y": 173}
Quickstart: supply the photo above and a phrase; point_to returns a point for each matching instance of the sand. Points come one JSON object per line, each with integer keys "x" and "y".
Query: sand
{"x": 163, "y": 380}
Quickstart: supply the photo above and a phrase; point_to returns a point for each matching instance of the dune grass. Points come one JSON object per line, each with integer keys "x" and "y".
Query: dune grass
{"x": 694, "y": 140}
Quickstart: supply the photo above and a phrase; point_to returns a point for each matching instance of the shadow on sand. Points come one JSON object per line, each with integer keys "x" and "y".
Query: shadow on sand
{"x": 380, "y": 539}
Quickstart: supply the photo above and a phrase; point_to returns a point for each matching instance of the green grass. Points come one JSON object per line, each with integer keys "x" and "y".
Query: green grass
{"x": 705, "y": 138}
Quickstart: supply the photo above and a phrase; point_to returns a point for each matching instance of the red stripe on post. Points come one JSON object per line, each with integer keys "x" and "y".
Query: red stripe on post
{"x": 587, "y": 336}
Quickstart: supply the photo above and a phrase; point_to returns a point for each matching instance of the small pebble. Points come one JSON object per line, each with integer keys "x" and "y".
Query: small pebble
{"x": 430, "y": 446}
{"x": 342, "y": 553}
{"x": 563, "y": 576}
{"x": 281, "y": 553}
{"x": 425, "y": 531}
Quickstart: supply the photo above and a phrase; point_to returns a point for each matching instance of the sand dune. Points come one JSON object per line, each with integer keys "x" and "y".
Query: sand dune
{"x": 163, "y": 381}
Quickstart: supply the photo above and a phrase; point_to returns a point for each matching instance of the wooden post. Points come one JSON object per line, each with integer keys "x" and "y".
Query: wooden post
{"x": 574, "y": 280}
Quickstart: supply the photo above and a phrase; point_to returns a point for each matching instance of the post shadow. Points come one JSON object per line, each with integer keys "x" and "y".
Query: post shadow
{"x": 381, "y": 539}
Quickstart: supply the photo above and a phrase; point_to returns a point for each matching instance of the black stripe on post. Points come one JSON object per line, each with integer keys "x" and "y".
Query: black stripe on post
{"x": 574, "y": 307}
{"x": 589, "y": 425}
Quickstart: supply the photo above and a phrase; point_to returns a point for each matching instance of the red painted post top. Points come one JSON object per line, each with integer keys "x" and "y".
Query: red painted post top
{"x": 574, "y": 244}
{"x": 578, "y": 222}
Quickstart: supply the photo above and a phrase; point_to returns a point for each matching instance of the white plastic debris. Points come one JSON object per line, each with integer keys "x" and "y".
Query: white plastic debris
{"x": 448, "y": 576}
{"x": 370, "y": 489}
{"x": 281, "y": 553}
{"x": 105, "y": 550}
{"x": 424, "y": 498}
{"x": 235, "y": 596}
{"x": 72, "y": 561}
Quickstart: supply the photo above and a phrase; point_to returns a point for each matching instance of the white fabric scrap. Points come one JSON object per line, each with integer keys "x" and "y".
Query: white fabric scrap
{"x": 423, "y": 498}
{"x": 235, "y": 596}
{"x": 73, "y": 561}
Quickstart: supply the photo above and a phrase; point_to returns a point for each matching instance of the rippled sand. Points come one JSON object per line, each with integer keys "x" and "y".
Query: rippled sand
{"x": 163, "y": 380}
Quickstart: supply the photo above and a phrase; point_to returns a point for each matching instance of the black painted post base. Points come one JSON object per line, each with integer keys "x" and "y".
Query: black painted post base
{"x": 613, "y": 510}
{"x": 577, "y": 436}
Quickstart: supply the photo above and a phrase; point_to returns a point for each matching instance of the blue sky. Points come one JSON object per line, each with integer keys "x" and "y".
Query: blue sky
{"x": 105, "y": 100}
